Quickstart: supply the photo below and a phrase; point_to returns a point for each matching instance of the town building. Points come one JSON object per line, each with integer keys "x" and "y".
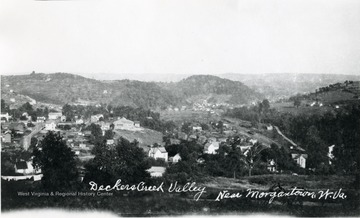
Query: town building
{"x": 55, "y": 115}
{"x": 25, "y": 168}
{"x": 40, "y": 119}
{"x": 158, "y": 153}
{"x": 175, "y": 159}
{"x": 156, "y": 171}
{"x": 124, "y": 124}
{"x": 96, "y": 118}
{"x": 211, "y": 147}
{"x": 50, "y": 126}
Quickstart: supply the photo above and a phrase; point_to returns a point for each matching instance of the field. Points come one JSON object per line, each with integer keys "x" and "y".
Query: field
{"x": 188, "y": 116}
{"x": 145, "y": 137}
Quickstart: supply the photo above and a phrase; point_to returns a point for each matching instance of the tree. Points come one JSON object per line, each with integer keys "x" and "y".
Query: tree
{"x": 109, "y": 134}
{"x": 252, "y": 153}
{"x": 234, "y": 159}
{"x": 316, "y": 148}
{"x": 68, "y": 112}
{"x": 265, "y": 105}
{"x": 4, "y": 107}
{"x": 57, "y": 163}
{"x": 297, "y": 102}
{"x": 125, "y": 161}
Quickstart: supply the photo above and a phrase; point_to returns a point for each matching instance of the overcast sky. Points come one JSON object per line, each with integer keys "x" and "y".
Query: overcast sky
{"x": 180, "y": 36}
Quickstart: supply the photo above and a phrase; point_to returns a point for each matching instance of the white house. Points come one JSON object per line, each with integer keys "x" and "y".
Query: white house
{"x": 300, "y": 159}
{"x": 211, "y": 147}
{"x": 124, "y": 124}
{"x": 175, "y": 159}
{"x": 63, "y": 118}
{"x": 158, "y": 153}
{"x": 40, "y": 119}
{"x": 79, "y": 121}
{"x": 105, "y": 126}
{"x": 50, "y": 126}
{"x": 156, "y": 171}
{"x": 330, "y": 153}
{"x": 271, "y": 166}
{"x": 6, "y": 116}
{"x": 197, "y": 128}
{"x": 55, "y": 115}
{"x": 96, "y": 118}
{"x": 110, "y": 141}
{"x": 137, "y": 124}
{"x": 253, "y": 141}
{"x": 25, "y": 168}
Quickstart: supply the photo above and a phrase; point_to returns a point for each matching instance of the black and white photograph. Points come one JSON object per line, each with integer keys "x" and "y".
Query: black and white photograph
{"x": 160, "y": 108}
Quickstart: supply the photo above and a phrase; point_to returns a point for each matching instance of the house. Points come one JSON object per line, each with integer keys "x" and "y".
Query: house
{"x": 137, "y": 124}
{"x": 79, "y": 121}
{"x": 192, "y": 138}
{"x": 197, "y": 128}
{"x": 158, "y": 153}
{"x": 244, "y": 148}
{"x": 40, "y": 119}
{"x": 330, "y": 153}
{"x": 211, "y": 147}
{"x": 63, "y": 118}
{"x": 124, "y": 124}
{"x": 175, "y": 159}
{"x": 55, "y": 115}
{"x": 82, "y": 145}
{"x": 182, "y": 136}
{"x": 156, "y": 171}
{"x": 96, "y": 118}
{"x": 25, "y": 168}
{"x": 110, "y": 141}
{"x": 300, "y": 159}
{"x": 269, "y": 128}
{"x": 105, "y": 126}
{"x": 50, "y": 126}
{"x": 5, "y": 116}
{"x": 7, "y": 137}
{"x": 271, "y": 165}
{"x": 253, "y": 141}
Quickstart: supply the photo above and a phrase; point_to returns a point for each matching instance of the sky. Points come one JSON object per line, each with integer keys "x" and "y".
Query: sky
{"x": 180, "y": 36}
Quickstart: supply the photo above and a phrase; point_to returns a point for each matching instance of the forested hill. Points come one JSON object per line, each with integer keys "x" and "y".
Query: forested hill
{"x": 346, "y": 92}
{"x": 220, "y": 89}
{"x": 61, "y": 88}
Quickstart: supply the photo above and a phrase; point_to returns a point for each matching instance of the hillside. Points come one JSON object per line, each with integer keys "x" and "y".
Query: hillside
{"x": 335, "y": 93}
{"x": 214, "y": 90}
{"x": 284, "y": 85}
{"x": 61, "y": 88}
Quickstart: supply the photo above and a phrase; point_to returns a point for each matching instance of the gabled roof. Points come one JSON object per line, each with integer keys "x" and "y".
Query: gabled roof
{"x": 296, "y": 156}
{"x": 161, "y": 149}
